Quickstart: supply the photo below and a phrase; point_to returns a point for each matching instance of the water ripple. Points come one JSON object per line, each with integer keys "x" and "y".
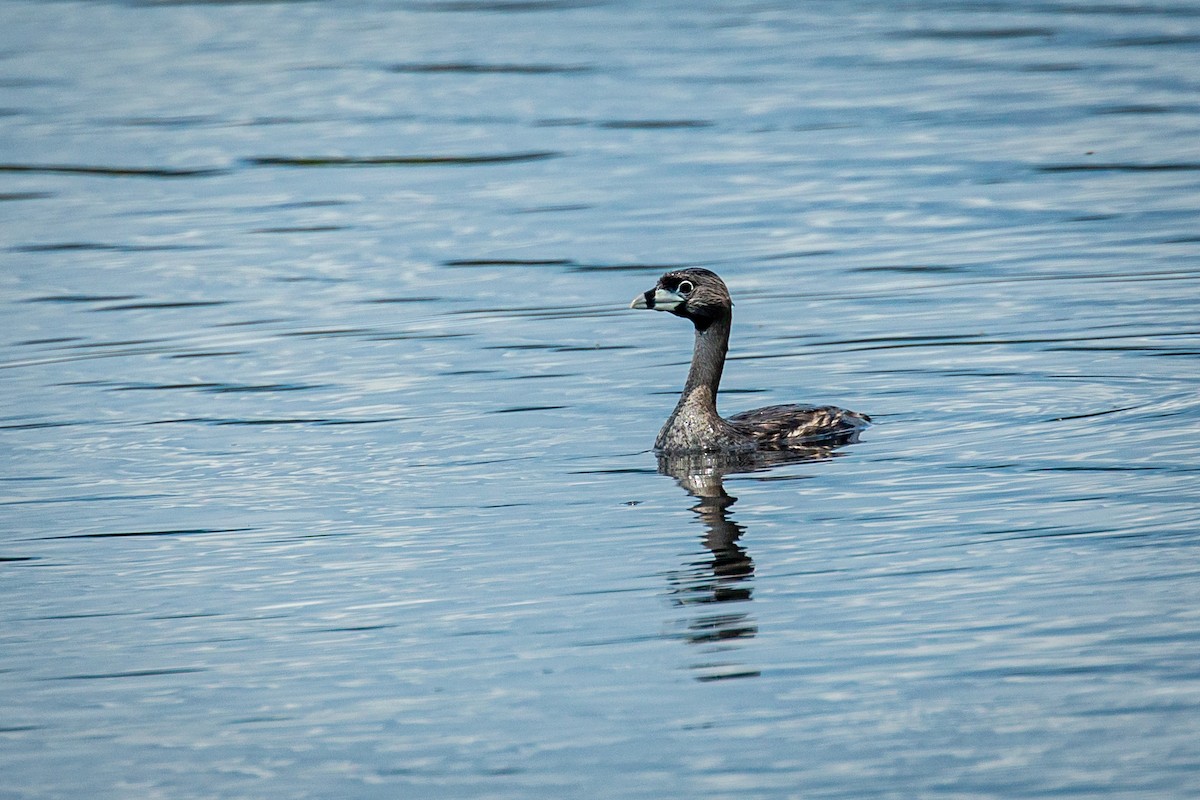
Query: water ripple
{"x": 115, "y": 172}
{"x": 401, "y": 161}
{"x": 501, "y": 6}
{"x": 1118, "y": 166}
{"x": 59, "y": 247}
{"x": 475, "y": 68}
{"x": 128, "y": 534}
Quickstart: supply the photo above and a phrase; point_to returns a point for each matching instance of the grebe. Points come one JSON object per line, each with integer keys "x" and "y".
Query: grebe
{"x": 695, "y": 426}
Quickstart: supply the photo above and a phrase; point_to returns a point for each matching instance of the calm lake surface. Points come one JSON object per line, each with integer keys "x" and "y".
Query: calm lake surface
{"x": 325, "y": 429}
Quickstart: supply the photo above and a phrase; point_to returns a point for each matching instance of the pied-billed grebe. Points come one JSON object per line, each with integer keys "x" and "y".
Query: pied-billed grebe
{"x": 701, "y": 296}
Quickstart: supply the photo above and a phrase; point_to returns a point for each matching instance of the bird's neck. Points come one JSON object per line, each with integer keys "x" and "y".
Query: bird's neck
{"x": 699, "y": 397}
{"x": 695, "y": 423}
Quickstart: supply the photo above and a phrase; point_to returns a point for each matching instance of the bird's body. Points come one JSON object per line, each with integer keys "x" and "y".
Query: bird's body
{"x": 695, "y": 426}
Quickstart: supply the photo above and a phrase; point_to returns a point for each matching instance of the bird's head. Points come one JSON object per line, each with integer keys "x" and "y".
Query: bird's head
{"x": 693, "y": 293}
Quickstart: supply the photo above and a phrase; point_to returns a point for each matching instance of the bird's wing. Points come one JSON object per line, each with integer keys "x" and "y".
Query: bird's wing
{"x": 786, "y": 425}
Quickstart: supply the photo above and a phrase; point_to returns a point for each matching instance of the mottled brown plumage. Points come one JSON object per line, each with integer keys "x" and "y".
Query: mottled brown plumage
{"x": 694, "y": 426}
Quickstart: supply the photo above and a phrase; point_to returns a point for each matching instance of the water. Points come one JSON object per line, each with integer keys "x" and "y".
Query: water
{"x": 325, "y": 426}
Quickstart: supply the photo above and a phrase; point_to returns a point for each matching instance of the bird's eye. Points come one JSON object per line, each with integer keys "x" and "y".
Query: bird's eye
{"x": 685, "y": 287}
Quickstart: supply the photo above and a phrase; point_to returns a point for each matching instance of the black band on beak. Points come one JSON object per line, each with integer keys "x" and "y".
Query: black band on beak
{"x": 649, "y": 295}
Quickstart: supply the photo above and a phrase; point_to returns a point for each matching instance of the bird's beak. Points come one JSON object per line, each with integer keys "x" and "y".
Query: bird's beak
{"x": 658, "y": 300}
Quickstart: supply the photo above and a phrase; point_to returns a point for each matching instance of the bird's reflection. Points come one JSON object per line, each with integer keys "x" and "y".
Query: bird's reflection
{"x": 725, "y": 574}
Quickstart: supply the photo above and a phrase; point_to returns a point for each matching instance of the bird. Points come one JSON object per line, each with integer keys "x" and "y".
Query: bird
{"x": 699, "y": 295}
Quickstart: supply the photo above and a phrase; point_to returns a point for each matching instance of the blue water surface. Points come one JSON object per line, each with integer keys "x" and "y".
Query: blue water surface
{"x": 325, "y": 428}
